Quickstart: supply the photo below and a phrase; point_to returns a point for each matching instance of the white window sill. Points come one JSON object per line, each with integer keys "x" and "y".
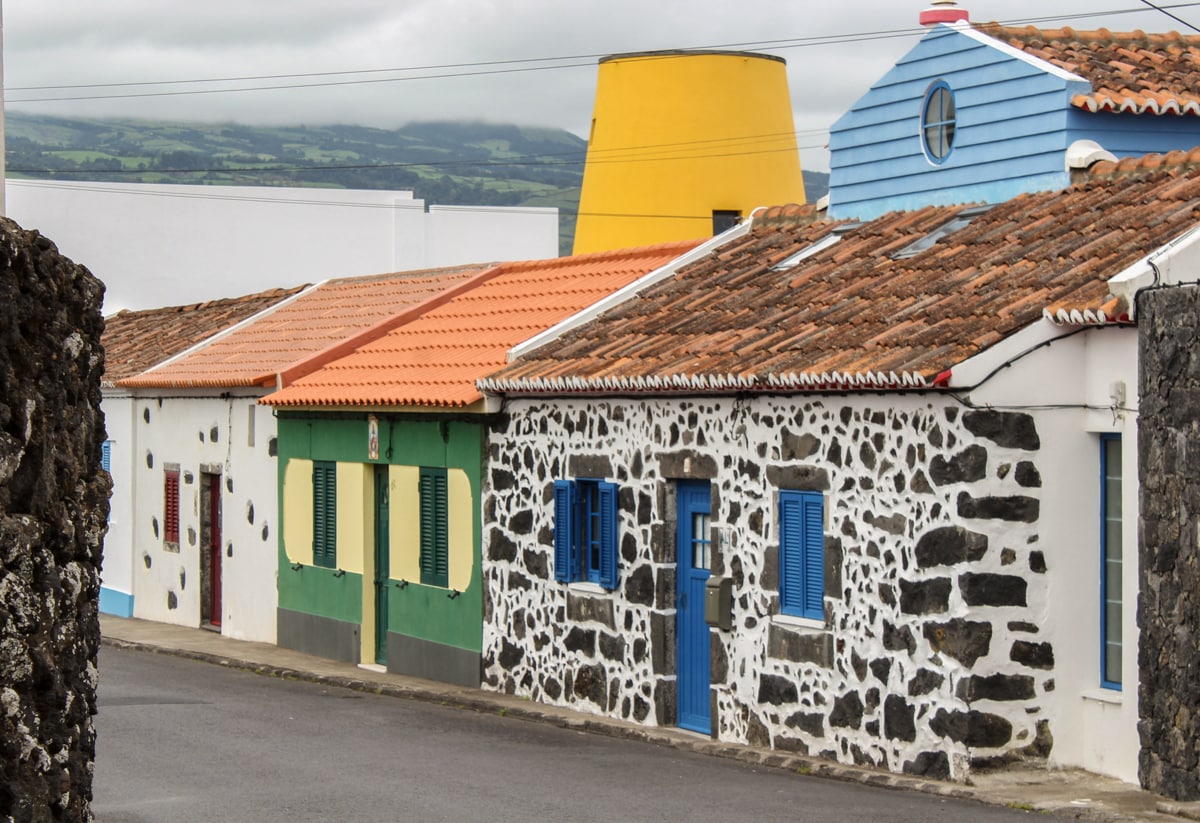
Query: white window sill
{"x": 585, "y": 587}
{"x": 793, "y": 622}
{"x": 1110, "y": 696}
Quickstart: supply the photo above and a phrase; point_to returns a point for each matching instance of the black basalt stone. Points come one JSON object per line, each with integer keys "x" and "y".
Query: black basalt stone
{"x": 925, "y": 596}
{"x": 501, "y": 547}
{"x": 996, "y": 687}
{"x": 934, "y": 765}
{"x": 964, "y": 640}
{"x": 847, "y": 711}
{"x": 1034, "y": 655}
{"x": 1017, "y": 508}
{"x": 1013, "y": 430}
{"x": 639, "y": 586}
{"x": 1028, "y": 476}
{"x": 992, "y": 589}
{"x": 949, "y": 545}
{"x": 924, "y": 682}
{"x": 580, "y": 640}
{"x": 898, "y": 722}
{"x": 776, "y": 690}
{"x": 968, "y": 466}
{"x": 974, "y": 728}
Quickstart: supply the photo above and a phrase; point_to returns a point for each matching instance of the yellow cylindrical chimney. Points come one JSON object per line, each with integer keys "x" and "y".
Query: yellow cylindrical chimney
{"x": 684, "y": 144}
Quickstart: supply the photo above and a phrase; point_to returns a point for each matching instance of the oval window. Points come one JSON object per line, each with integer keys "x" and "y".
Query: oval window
{"x": 937, "y": 122}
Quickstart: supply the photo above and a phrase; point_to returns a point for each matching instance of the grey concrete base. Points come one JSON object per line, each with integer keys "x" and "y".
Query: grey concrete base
{"x": 322, "y": 636}
{"x": 432, "y": 661}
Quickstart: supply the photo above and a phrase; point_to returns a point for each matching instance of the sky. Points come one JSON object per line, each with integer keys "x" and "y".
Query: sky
{"x": 385, "y": 63}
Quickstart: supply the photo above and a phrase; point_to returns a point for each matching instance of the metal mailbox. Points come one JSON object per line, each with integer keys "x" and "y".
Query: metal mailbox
{"x": 718, "y": 603}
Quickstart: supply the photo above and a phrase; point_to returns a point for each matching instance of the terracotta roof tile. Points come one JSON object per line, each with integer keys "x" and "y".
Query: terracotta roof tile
{"x": 851, "y": 317}
{"x": 321, "y": 324}
{"x": 137, "y": 340}
{"x": 1129, "y": 71}
{"x": 435, "y": 359}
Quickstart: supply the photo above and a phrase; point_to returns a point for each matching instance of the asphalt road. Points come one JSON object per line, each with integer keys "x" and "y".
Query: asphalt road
{"x": 180, "y": 740}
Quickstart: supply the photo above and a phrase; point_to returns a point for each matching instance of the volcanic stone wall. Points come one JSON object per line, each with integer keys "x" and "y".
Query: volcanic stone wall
{"x": 53, "y": 509}
{"x": 1169, "y": 606}
{"x": 930, "y": 657}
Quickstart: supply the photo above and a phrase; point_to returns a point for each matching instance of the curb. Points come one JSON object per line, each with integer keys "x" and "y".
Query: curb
{"x": 770, "y": 758}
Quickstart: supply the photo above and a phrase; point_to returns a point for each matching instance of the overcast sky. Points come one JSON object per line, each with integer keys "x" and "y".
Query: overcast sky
{"x": 530, "y": 62}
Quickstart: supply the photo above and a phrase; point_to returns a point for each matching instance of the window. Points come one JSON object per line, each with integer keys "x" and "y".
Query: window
{"x": 723, "y": 220}
{"x": 585, "y": 532}
{"x": 938, "y": 122}
{"x": 434, "y": 530}
{"x": 324, "y": 482}
{"x": 1111, "y": 599}
{"x": 106, "y": 456}
{"x": 171, "y": 506}
{"x": 928, "y": 241}
{"x": 802, "y": 554}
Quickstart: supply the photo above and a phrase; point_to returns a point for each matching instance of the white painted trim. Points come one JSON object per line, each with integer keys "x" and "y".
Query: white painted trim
{"x": 967, "y": 30}
{"x": 975, "y": 369}
{"x": 586, "y": 587}
{"x": 1111, "y": 696}
{"x": 793, "y": 622}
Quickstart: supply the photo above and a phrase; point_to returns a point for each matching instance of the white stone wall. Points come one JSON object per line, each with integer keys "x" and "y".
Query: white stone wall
{"x": 198, "y": 433}
{"x": 116, "y": 574}
{"x": 932, "y": 653}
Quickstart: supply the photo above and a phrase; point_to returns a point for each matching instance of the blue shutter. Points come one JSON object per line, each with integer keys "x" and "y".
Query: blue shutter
{"x": 608, "y": 535}
{"x": 802, "y": 554}
{"x": 106, "y": 456}
{"x": 564, "y": 531}
{"x": 814, "y": 556}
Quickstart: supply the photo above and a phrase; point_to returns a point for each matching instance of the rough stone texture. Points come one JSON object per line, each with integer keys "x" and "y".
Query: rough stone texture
{"x": 898, "y": 635}
{"x": 53, "y": 511}
{"x": 1169, "y": 478}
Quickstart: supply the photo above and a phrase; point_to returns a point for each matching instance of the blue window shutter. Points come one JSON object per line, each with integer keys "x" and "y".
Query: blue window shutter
{"x": 814, "y": 557}
{"x": 106, "y": 456}
{"x": 802, "y": 554}
{"x": 608, "y": 535}
{"x": 564, "y": 531}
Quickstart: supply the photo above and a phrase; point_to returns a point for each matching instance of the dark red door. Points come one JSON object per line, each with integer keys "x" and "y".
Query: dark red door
{"x": 214, "y": 549}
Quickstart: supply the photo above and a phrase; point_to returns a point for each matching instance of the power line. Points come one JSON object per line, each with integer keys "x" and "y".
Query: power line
{"x": 1172, "y": 16}
{"x": 510, "y": 66}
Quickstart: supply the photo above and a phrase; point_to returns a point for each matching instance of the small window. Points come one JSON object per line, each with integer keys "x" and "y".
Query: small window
{"x": 928, "y": 241}
{"x": 724, "y": 220}
{"x": 106, "y": 456}
{"x": 938, "y": 122}
{"x": 324, "y": 481}
{"x": 1111, "y": 595}
{"x": 171, "y": 506}
{"x": 802, "y": 554}
{"x": 815, "y": 248}
{"x": 435, "y": 547}
{"x": 585, "y": 532}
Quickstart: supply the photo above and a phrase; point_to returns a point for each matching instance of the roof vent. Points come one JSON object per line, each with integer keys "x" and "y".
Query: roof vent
{"x": 1083, "y": 153}
{"x": 944, "y": 11}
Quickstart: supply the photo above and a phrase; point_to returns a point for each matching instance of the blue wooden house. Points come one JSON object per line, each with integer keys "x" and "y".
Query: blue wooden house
{"x": 982, "y": 113}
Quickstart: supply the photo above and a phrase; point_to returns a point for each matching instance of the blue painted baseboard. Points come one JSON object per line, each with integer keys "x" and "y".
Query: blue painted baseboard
{"x": 115, "y": 602}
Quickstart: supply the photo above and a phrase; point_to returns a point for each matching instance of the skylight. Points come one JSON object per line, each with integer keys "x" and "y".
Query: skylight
{"x": 819, "y": 246}
{"x": 960, "y": 220}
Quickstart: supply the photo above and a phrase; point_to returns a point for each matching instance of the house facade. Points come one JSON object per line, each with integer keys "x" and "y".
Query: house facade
{"x": 381, "y": 455}
{"x": 865, "y": 493}
{"x": 980, "y": 113}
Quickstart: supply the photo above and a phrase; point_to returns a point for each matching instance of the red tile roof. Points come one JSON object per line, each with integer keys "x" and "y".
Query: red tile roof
{"x": 320, "y": 325}
{"x": 1129, "y": 71}
{"x": 854, "y": 315}
{"x": 434, "y": 360}
{"x": 137, "y": 340}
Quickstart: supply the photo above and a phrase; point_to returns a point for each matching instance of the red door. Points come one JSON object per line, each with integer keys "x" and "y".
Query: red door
{"x": 214, "y": 549}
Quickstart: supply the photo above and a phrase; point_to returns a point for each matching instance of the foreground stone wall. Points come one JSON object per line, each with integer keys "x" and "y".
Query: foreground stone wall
{"x": 53, "y": 508}
{"x": 1169, "y": 605}
{"x": 931, "y": 656}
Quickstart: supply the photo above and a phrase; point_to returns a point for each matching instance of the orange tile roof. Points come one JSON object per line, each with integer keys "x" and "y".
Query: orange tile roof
{"x": 320, "y": 325}
{"x": 1129, "y": 71}
{"x": 435, "y": 359}
{"x": 137, "y": 340}
{"x": 854, "y": 316}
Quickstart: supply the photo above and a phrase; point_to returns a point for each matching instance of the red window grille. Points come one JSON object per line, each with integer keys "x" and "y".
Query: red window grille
{"x": 171, "y": 506}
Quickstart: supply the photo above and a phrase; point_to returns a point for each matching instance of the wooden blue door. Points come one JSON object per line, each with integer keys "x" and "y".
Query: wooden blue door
{"x": 382, "y": 546}
{"x": 693, "y": 555}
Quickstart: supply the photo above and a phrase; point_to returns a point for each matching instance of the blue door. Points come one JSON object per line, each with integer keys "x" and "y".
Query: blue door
{"x": 693, "y": 556}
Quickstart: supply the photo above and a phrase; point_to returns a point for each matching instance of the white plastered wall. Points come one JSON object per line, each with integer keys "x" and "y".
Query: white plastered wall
{"x": 179, "y": 430}
{"x": 116, "y": 575}
{"x": 1094, "y": 728}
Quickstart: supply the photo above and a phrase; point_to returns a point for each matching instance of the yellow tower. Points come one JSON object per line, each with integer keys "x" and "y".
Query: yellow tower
{"x": 683, "y": 145}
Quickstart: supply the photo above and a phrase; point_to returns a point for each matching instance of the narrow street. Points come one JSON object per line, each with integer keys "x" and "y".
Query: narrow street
{"x": 181, "y": 740}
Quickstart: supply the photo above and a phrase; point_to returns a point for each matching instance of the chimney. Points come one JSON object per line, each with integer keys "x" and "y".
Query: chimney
{"x": 943, "y": 11}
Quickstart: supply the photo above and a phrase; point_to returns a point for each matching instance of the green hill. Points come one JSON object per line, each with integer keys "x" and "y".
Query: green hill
{"x": 447, "y": 163}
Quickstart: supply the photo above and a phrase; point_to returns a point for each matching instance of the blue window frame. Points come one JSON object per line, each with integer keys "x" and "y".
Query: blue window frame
{"x": 802, "y": 554}
{"x": 939, "y": 122}
{"x": 1111, "y": 594}
{"x": 324, "y": 480}
{"x": 585, "y": 532}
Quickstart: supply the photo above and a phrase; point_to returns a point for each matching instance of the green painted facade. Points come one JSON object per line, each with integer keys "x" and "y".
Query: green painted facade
{"x": 424, "y": 612}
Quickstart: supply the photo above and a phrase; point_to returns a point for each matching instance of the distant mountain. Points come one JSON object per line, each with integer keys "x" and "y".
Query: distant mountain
{"x": 447, "y": 163}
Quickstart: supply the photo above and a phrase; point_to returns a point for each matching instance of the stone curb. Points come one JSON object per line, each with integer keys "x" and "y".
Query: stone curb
{"x": 454, "y": 698}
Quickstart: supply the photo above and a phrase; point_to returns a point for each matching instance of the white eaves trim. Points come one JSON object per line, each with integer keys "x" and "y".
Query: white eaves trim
{"x": 967, "y": 30}
{"x": 976, "y": 369}
{"x": 1176, "y": 262}
{"x": 621, "y": 295}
